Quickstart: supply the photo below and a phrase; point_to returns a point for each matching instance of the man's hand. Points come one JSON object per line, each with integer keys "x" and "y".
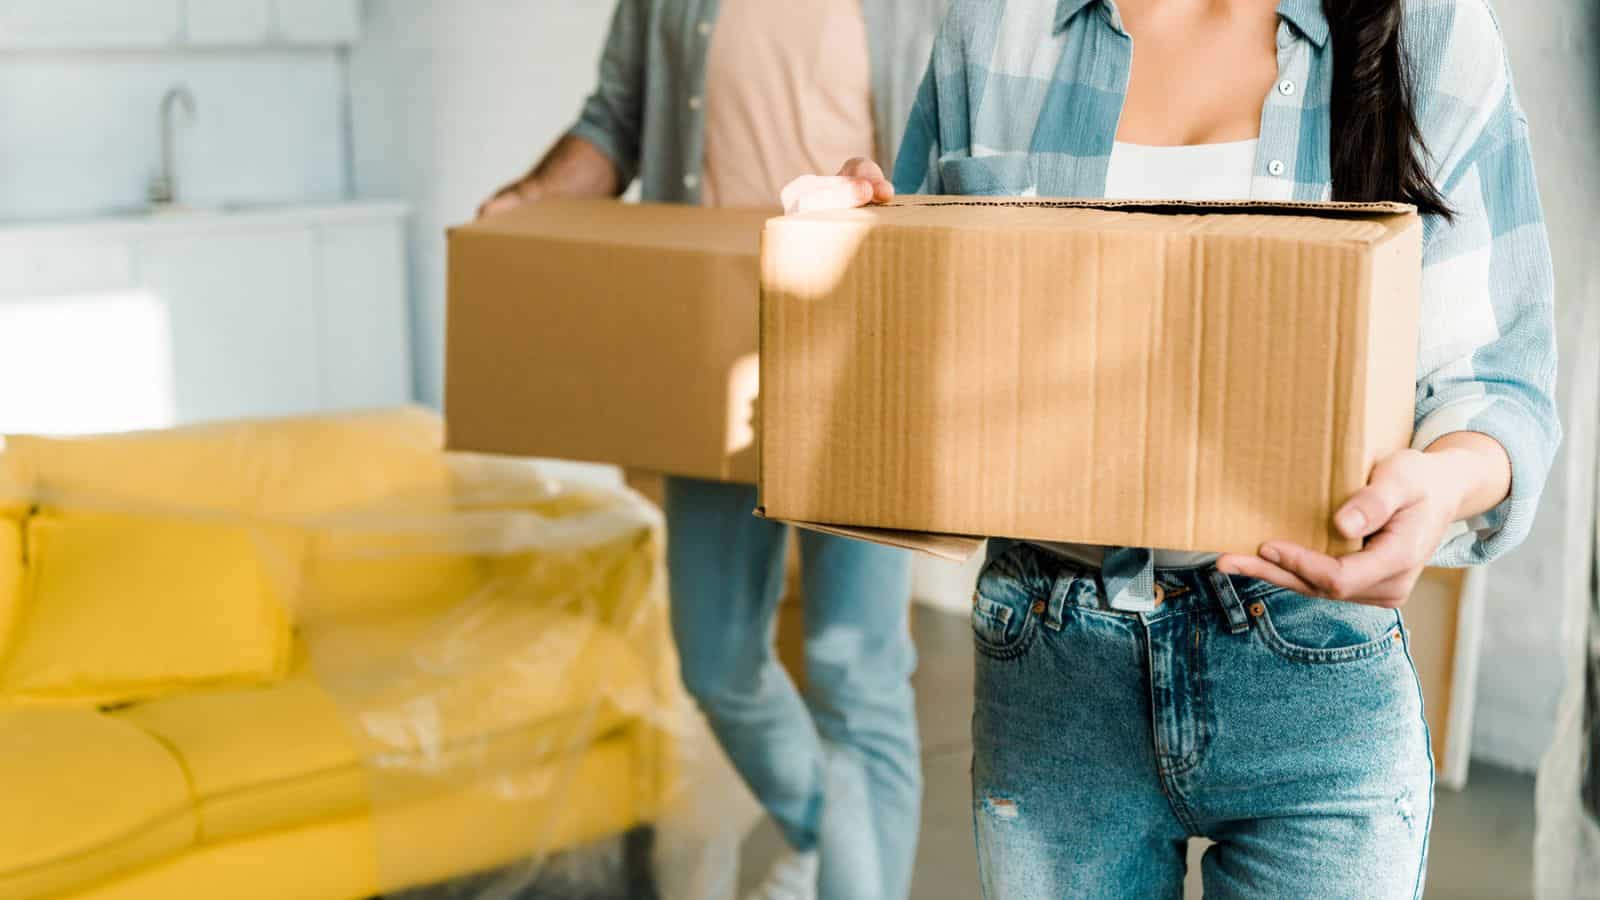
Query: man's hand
{"x": 1403, "y": 515}
{"x": 573, "y": 168}
{"x": 858, "y": 183}
{"x": 518, "y": 193}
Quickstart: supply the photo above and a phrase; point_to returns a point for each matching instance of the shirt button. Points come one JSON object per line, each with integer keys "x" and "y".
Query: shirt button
{"x": 1276, "y": 168}
{"x": 694, "y": 103}
{"x": 691, "y": 181}
{"x": 1286, "y": 88}
{"x": 704, "y": 29}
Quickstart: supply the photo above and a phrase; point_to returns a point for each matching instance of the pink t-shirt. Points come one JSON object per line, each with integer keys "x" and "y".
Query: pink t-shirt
{"x": 788, "y": 93}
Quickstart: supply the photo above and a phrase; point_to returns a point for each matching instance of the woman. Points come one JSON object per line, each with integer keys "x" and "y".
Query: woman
{"x": 1128, "y": 701}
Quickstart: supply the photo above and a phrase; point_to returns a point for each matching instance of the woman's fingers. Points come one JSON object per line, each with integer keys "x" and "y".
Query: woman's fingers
{"x": 814, "y": 193}
{"x": 860, "y": 167}
{"x": 859, "y": 182}
{"x": 1336, "y": 579}
{"x": 1391, "y": 557}
{"x": 1261, "y": 570}
{"x": 1392, "y": 591}
{"x": 1397, "y": 482}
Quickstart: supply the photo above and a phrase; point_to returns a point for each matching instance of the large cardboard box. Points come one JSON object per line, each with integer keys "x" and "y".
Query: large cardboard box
{"x": 607, "y": 332}
{"x": 1196, "y": 377}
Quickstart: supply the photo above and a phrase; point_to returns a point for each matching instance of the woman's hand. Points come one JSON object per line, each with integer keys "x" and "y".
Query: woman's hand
{"x": 858, "y": 183}
{"x": 1403, "y": 514}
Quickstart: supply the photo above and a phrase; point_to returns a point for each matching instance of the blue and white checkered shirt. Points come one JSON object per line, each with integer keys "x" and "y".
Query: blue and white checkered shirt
{"x": 1023, "y": 97}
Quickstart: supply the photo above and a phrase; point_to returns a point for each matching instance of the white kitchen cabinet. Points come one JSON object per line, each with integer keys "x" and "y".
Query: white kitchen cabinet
{"x": 89, "y": 24}
{"x": 228, "y": 23}
{"x": 318, "y": 21}
{"x": 364, "y": 316}
{"x": 152, "y": 321}
{"x": 243, "y": 312}
{"x": 66, "y": 264}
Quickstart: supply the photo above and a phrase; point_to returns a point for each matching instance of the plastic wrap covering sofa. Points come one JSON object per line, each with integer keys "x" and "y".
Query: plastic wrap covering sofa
{"x": 317, "y": 658}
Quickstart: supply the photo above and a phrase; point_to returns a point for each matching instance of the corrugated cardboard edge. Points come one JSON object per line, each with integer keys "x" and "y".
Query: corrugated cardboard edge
{"x": 953, "y": 547}
{"x": 1286, "y": 207}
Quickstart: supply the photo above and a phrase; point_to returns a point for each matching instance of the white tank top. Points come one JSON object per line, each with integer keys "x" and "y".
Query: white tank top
{"x": 1196, "y": 172}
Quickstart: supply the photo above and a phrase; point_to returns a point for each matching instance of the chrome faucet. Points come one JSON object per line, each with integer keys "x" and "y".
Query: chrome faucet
{"x": 164, "y": 187}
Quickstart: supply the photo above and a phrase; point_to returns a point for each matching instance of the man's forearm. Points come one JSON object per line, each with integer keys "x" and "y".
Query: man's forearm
{"x": 573, "y": 168}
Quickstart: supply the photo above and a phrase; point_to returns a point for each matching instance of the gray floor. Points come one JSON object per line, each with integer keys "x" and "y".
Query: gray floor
{"x": 1482, "y": 837}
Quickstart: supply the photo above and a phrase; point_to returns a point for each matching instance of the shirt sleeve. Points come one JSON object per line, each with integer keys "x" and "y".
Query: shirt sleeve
{"x": 612, "y": 117}
{"x": 1488, "y": 346}
{"x": 916, "y": 167}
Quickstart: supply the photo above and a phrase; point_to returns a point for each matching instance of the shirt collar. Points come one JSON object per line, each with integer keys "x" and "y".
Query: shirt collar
{"x": 1067, "y": 9}
{"x": 1306, "y": 16}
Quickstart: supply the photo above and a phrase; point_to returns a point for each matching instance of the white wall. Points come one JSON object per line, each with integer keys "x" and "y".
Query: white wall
{"x": 452, "y": 100}
{"x": 81, "y": 129}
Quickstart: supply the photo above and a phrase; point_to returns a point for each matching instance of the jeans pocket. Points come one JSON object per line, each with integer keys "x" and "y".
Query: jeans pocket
{"x": 1324, "y": 632}
{"x": 1003, "y": 618}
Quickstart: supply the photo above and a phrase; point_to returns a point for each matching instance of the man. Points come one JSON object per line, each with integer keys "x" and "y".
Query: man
{"x": 723, "y": 107}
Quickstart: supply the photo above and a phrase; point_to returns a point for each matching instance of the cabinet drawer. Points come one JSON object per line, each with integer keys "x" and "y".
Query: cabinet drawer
{"x": 318, "y": 21}
{"x": 49, "y": 267}
{"x": 225, "y": 23}
{"x": 89, "y": 24}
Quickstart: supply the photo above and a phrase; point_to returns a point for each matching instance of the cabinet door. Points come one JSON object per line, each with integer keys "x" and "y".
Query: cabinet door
{"x": 221, "y": 23}
{"x": 319, "y": 21}
{"x": 88, "y": 23}
{"x": 242, "y": 308}
{"x": 364, "y": 317}
{"x": 82, "y": 349}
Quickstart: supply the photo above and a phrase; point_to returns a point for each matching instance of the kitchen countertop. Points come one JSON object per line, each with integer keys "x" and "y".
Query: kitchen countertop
{"x": 210, "y": 220}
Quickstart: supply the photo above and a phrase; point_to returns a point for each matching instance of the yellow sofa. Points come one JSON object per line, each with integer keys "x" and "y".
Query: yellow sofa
{"x": 316, "y": 658}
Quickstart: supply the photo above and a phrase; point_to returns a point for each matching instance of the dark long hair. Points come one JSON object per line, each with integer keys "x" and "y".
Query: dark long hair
{"x": 1377, "y": 148}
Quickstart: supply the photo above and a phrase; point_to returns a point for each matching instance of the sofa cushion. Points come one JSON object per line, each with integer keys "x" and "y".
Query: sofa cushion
{"x": 358, "y": 568}
{"x": 86, "y": 795}
{"x": 398, "y": 719}
{"x": 11, "y": 562}
{"x": 282, "y": 469}
{"x": 116, "y": 608}
{"x": 260, "y": 759}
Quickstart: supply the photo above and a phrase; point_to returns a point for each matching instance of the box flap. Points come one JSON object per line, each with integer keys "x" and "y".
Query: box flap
{"x": 954, "y": 547}
{"x": 1366, "y": 224}
{"x": 1206, "y": 207}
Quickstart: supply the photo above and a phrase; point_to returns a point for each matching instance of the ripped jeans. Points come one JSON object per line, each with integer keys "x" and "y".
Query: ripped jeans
{"x": 1288, "y": 730}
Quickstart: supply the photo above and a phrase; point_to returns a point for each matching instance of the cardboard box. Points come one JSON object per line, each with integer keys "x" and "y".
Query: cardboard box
{"x": 1198, "y": 377}
{"x": 607, "y": 332}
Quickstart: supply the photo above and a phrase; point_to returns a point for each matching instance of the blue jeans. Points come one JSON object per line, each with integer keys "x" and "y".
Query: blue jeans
{"x": 1289, "y": 730}
{"x": 839, "y": 769}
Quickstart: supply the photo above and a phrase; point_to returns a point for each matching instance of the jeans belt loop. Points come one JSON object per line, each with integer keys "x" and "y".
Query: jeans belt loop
{"x": 1063, "y": 590}
{"x": 1232, "y": 607}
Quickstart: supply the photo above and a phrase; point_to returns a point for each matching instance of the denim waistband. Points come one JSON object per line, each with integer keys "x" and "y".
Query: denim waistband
{"x": 1183, "y": 591}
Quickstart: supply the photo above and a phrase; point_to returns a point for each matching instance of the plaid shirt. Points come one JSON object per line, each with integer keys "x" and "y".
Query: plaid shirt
{"x": 1023, "y": 97}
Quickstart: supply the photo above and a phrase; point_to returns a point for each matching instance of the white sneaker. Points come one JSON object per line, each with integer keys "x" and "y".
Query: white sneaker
{"x": 793, "y": 876}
